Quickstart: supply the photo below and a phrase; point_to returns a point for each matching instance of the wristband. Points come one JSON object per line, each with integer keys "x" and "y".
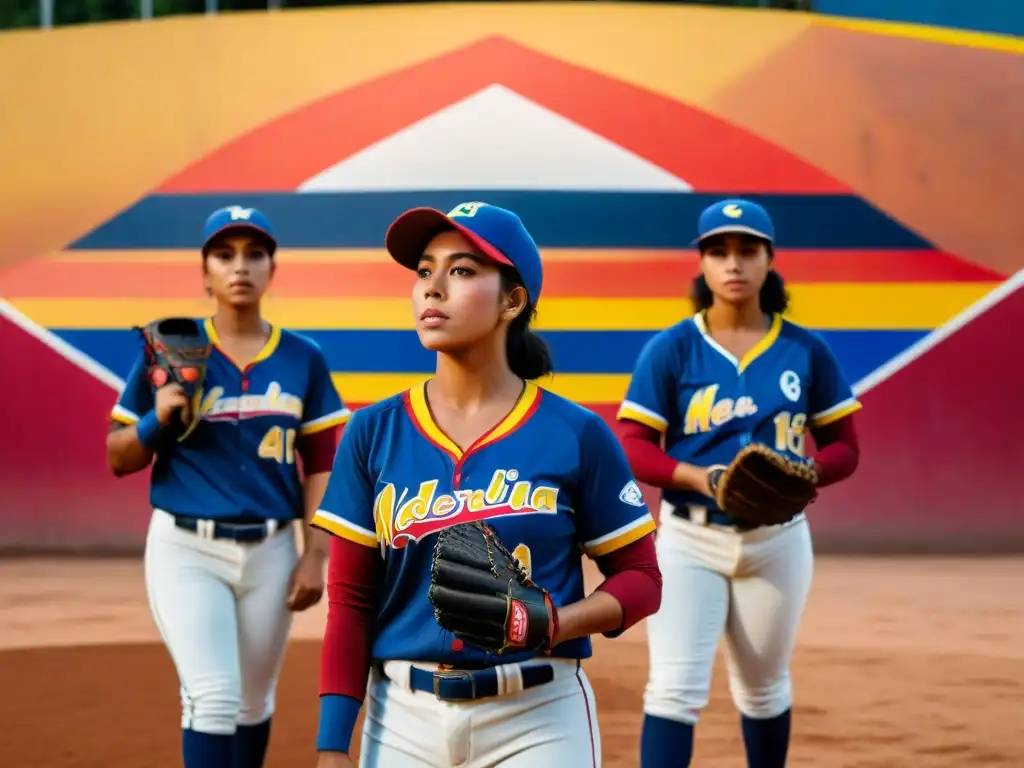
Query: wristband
{"x": 338, "y": 715}
{"x": 149, "y": 430}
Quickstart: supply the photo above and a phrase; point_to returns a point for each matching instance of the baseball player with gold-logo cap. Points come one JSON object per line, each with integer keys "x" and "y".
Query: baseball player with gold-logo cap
{"x": 733, "y": 376}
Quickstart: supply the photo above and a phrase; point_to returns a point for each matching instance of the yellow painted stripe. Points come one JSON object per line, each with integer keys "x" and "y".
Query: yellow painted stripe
{"x": 346, "y": 255}
{"x": 862, "y": 306}
{"x": 579, "y": 387}
{"x": 944, "y": 35}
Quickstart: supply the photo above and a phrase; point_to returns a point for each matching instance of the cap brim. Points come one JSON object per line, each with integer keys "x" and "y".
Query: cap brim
{"x": 240, "y": 227}
{"x": 410, "y": 233}
{"x": 731, "y": 230}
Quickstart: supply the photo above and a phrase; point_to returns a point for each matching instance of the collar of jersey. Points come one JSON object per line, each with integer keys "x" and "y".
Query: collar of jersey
{"x": 419, "y": 409}
{"x": 755, "y": 352}
{"x": 268, "y": 349}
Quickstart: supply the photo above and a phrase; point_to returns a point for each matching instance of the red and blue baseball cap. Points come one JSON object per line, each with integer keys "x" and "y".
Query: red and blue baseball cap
{"x": 496, "y": 232}
{"x": 737, "y": 216}
{"x": 236, "y": 217}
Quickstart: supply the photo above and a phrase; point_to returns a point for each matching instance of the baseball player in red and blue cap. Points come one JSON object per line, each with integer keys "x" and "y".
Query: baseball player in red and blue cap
{"x": 221, "y": 568}
{"x": 735, "y": 373}
{"x": 479, "y": 441}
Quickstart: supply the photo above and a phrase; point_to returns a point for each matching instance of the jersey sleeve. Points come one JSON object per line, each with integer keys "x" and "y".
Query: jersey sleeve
{"x": 830, "y": 397}
{"x": 347, "y": 507}
{"x": 612, "y": 512}
{"x": 650, "y": 398}
{"x": 136, "y": 398}
{"x": 323, "y": 407}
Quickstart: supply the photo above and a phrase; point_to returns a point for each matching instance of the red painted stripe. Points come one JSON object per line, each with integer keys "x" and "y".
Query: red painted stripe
{"x": 651, "y": 275}
{"x": 710, "y": 153}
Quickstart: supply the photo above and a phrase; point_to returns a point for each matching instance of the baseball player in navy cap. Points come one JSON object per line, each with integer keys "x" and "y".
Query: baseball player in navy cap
{"x": 234, "y": 219}
{"x": 735, "y": 217}
{"x": 733, "y": 374}
{"x": 479, "y": 441}
{"x": 221, "y": 568}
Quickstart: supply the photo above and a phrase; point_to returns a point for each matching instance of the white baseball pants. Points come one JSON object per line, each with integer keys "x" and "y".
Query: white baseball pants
{"x": 749, "y": 586}
{"x": 220, "y": 608}
{"x": 550, "y": 725}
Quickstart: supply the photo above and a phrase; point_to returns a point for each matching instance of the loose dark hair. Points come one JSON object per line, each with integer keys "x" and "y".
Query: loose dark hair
{"x": 773, "y": 298}
{"x": 528, "y": 354}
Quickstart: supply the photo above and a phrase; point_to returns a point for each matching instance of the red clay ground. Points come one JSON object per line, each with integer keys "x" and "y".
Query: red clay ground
{"x": 902, "y": 663}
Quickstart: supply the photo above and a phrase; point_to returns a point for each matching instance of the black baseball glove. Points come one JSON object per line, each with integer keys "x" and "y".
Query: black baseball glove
{"x": 177, "y": 351}
{"x": 763, "y": 487}
{"x": 482, "y": 594}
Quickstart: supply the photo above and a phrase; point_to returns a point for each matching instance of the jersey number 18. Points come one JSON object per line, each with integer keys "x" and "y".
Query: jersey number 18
{"x": 790, "y": 432}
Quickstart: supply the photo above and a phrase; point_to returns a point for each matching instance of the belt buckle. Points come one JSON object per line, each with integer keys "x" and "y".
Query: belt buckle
{"x": 207, "y": 529}
{"x": 440, "y": 675}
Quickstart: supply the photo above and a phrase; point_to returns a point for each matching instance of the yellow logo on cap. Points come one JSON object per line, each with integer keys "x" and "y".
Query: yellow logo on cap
{"x": 733, "y": 211}
{"x": 466, "y": 209}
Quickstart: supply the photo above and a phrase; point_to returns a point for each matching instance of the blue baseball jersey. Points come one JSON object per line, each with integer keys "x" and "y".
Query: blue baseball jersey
{"x": 709, "y": 405}
{"x": 240, "y": 461}
{"x": 551, "y": 479}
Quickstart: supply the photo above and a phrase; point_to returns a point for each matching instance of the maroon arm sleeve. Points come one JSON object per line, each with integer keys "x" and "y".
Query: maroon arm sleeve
{"x": 353, "y": 573}
{"x": 838, "y": 451}
{"x": 317, "y": 450}
{"x": 642, "y": 444}
{"x": 633, "y": 578}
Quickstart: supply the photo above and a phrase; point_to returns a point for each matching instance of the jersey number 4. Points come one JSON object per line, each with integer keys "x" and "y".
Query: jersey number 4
{"x": 278, "y": 444}
{"x": 790, "y": 434}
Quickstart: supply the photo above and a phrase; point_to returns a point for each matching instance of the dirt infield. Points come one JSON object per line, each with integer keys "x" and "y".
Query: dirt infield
{"x": 901, "y": 663}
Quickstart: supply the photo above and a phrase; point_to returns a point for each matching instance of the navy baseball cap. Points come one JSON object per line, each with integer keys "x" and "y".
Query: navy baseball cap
{"x": 235, "y": 217}
{"x": 735, "y": 215}
{"x": 496, "y": 232}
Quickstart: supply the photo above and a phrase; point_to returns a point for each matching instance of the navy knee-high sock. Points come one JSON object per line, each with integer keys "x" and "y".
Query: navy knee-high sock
{"x": 665, "y": 743}
{"x": 206, "y": 750}
{"x": 250, "y": 747}
{"x": 767, "y": 741}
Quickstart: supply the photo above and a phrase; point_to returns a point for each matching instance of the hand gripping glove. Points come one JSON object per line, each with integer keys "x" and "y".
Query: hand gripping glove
{"x": 763, "y": 487}
{"x": 482, "y": 594}
{"x": 177, "y": 351}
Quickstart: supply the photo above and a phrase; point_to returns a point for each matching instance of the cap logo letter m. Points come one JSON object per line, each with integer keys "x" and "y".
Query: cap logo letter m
{"x": 239, "y": 213}
{"x": 466, "y": 209}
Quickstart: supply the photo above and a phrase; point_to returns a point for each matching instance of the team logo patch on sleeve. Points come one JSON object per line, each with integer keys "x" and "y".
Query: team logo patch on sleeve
{"x": 631, "y": 494}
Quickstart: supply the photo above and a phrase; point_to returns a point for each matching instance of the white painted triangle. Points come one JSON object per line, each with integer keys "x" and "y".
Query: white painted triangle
{"x": 495, "y": 139}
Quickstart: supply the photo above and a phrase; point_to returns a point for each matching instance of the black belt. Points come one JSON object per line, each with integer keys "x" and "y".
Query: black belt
{"x": 715, "y": 517}
{"x": 241, "y": 532}
{"x": 466, "y": 685}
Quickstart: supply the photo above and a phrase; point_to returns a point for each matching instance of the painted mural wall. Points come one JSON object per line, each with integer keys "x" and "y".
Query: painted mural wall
{"x": 888, "y": 161}
{"x": 1005, "y": 17}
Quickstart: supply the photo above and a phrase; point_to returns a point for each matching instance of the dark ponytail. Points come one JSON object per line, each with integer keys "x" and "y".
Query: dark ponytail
{"x": 774, "y": 298}
{"x": 528, "y": 354}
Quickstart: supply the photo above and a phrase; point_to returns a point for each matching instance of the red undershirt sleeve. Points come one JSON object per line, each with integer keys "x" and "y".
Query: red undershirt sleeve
{"x": 317, "y": 450}
{"x": 353, "y": 573}
{"x": 642, "y": 444}
{"x": 838, "y": 451}
{"x": 633, "y": 578}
